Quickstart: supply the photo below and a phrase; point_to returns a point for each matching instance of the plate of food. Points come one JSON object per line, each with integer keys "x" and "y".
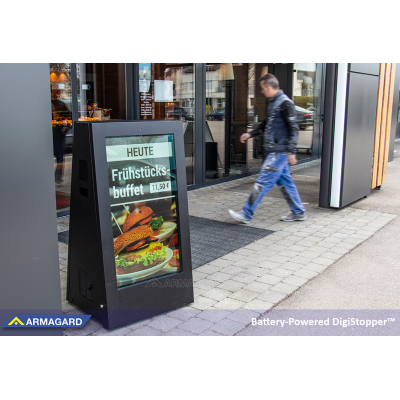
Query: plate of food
{"x": 165, "y": 231}
{"x": 138, "y": 254}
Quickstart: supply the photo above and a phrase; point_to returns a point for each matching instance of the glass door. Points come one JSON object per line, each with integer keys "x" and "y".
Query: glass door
{"x": 167, "y": 91}
{"x": 233, "y": 107}
{"x": 304, "y": 90}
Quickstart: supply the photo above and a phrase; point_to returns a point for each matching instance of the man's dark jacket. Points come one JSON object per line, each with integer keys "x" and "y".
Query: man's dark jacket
{"x": 280, "y": 126}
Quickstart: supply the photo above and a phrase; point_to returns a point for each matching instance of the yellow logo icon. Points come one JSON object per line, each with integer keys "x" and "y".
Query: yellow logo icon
{"x": 16, "y": 321}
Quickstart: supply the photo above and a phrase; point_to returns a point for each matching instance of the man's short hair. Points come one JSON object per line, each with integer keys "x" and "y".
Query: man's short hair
{"x": 270, "y": 80}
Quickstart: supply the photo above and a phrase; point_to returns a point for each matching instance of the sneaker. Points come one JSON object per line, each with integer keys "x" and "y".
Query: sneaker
{"x": 239, "y": 217}
{"x": 295, "y": 217}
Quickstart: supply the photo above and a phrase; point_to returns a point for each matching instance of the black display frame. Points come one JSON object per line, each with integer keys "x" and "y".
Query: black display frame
{"x": 113, "y": 306}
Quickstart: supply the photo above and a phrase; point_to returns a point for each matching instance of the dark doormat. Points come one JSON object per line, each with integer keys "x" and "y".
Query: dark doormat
{"x": 212, "y": 239}
{"x": 63, "y": 237}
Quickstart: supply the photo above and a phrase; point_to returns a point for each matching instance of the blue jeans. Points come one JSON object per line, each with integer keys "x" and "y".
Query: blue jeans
{"x": 274, "y": 170}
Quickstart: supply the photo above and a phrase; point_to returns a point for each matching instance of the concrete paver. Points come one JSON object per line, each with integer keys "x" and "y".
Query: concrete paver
{"x": 196, "y": 325}
{"x": 144, "y": 331}
{"x": 184, "y": 313}
{"x": 243, "y": 316}
{"x": 295, "y": 281}
{"x": 216, "y": 293}
{"x": 285, "y": 288}
{"x": 229, "y": 304}
{"x": 270, "y": 279}
{"x": 232, "y": 285}
{"x": 244, "y": 295}
{"x": 228, "y": 327}
{"x": 214, "y": 315}
{"x": 202, "y": 303}
{"x": 164, "y": 323}
{"x": 210, "y": 333}
{"x": 271, "y": 296}
{"x": 178, "y": 332}
{"x": 258, "y": 305}
{"x": 206, "y": 284}
{"x": 257, "y": 287}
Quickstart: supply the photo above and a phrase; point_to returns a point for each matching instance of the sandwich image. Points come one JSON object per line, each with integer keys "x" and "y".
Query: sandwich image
{"x": 174, "y": 261}
{"x": 137, "y": 250}
{"x": 174, "y": 244}
{"x": 142, "y": 216}
{"x": 139, "y": 217}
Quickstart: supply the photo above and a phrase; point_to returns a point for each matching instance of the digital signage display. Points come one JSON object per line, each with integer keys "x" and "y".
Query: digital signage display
{"x": 144, "y": 214}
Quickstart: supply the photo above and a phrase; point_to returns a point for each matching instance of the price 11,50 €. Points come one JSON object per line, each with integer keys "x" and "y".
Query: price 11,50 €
{"x": 156, "y": 187}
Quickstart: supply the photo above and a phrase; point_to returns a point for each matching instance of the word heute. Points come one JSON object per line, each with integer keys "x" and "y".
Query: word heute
{"x": 140, "y": 151}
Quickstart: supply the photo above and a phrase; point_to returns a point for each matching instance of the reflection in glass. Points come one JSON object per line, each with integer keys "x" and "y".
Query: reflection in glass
{"x": 256, "y": 113}
{"x": 398, "y": 119}
{"x": 166, "y": 91}
{"x": 304, "y": 82}
{"x": 101, "y": 92}
{"x": 61, "y": 111}
{"x": 232, "y": 108}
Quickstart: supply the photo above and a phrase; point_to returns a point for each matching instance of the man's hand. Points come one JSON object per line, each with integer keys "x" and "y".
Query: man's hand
{"x": 244, "y": 137}
{"x": 292, "y": 159}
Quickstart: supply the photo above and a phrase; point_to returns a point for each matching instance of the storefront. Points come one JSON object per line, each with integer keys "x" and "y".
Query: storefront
{"x": 358, "y": 103}
{"x": 215, "y": 102}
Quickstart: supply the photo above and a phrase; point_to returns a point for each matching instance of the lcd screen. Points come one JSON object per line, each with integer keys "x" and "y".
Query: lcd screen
{"x": 144, "y": 214}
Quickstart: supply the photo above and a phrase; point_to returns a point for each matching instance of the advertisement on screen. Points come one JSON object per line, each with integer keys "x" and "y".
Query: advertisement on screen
{"x": 143, "y": 195}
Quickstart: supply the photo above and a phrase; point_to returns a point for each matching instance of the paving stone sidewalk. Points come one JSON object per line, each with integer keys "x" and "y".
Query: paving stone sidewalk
{"x": 244, "y": 284}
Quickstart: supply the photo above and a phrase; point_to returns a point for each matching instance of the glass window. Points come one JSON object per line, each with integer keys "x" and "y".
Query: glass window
{"x": 230, "y": 105}
{"x": 167, "y": 92}
{"x": 61, "y": 111}
{"x": 398, "y": 118}
{"x": 235, "y": 104}
{"x": 256, "y": 113}
{"x": 304, "y": 85}
{"x": 101, "y": 96}
{"x": 101, "y": 92}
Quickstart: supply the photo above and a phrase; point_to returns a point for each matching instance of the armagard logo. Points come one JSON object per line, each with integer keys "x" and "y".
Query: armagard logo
{"x": 154, "y": 284}
{"x": 16, "y": 321}
{"x": 47, "y": 321}
{"x": 170, "y": 283}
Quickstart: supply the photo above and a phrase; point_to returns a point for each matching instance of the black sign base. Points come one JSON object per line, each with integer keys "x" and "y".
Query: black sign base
{"x": 92, "y": 282}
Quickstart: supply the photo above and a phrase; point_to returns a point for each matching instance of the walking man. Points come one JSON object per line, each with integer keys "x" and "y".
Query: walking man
{"x": 280, "y": 140}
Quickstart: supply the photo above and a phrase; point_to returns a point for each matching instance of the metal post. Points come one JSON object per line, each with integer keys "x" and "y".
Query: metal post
{"x": 327, "y": 135}
{"x": 199, "y": 125}
{"x": 228, "y": 124}
{"x": 74, "y": 92}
